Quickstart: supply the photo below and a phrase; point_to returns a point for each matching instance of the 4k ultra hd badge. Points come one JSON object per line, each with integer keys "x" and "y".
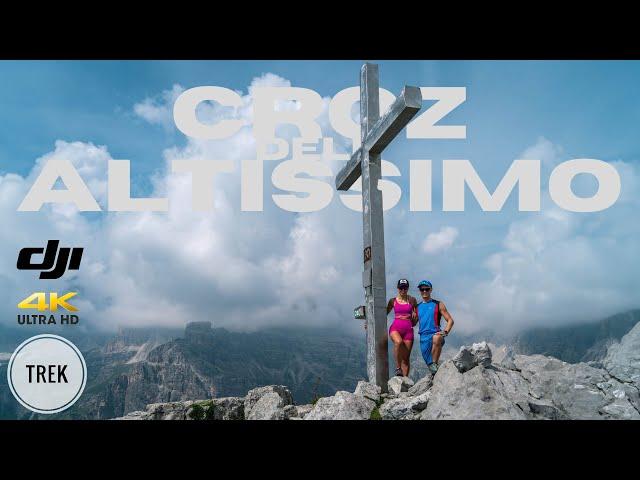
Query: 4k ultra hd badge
{"x": 47, "y": 374}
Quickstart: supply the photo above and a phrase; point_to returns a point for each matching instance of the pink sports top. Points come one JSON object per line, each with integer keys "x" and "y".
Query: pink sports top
{"x": 402, "y": 310}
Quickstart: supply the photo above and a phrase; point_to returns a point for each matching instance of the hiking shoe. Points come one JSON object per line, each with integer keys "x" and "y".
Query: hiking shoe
{"x": 398, "y": 372}
{"x": 433, "y": 367}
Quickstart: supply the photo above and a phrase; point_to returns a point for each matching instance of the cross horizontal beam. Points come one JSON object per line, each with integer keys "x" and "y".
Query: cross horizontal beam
{"x": 350, "y": 172}
{"x": 399, "y": 114}
{"x": 397, "y": 117}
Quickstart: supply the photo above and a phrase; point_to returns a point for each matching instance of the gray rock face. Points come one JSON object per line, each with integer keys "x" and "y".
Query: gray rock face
{"x": 482, "y": 353}
{"x": 342, "y": 406}
{"x": 421, "y": 385}
{"x": 368, "y": 390}
{"x": 404, "y": 408}
{"x": 162, "y": 411}
{"x": 271, "y": 408}
{"x": 302, "y": 410}
{"x": 623, "y": 359}
{"x": 503, "y": 356}
{"x": 227, "y": 408}
{"x": 469, "y": 357}
{"x": 468, "y": 396}
{"x": 578, "y": 390}
{"x": 399, "y": 384}
{"x": 464, "y": 360}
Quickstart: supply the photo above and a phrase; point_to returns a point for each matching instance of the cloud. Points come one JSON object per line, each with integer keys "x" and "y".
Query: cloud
{"x": 440, "y": 241}
{"x": 158, "y": 110}
{"x": 558, "y": 267}
{"x": 242, "y": 270}
{"x": 247, "y": 270}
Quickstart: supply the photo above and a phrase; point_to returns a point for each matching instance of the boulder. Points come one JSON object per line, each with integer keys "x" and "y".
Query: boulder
{"x": 421, "y": 385}
{"x": 254, "y": 396}
{"x": 504, "y": 356}
{"x": 226, "y": 408}
{"x": 342, "y": 406}
{"x": 270, "y": 406}
{"x": 302, "y": 410}
{"x": 368, "y": 390}
{"x": 482, "y": 353}
{"x": 468, "y": 396}
{"x": 404, "y": 407}
{"x": 469, "y": 357}
{"x": 464, "y": 360}
{"x": 399, "y": 384}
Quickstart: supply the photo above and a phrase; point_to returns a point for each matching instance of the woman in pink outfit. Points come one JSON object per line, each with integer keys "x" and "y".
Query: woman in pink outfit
{"x": 404, "y": 307}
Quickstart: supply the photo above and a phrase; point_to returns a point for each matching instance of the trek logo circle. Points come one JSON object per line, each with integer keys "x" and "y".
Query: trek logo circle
{"x": 47, "y": 374}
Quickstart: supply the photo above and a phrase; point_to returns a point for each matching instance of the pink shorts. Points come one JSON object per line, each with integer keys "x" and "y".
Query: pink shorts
{"x": 403, "y": 327}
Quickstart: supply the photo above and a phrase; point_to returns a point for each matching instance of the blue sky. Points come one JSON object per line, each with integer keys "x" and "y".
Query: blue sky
{"x": 562, "y": 109}
{"x": 508, "y": 103}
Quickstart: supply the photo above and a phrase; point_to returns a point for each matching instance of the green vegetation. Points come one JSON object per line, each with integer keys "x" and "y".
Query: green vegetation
{"x": 197, "y": 412}
{"x": 375, "y": 414}
{"x": 202, "y": 411}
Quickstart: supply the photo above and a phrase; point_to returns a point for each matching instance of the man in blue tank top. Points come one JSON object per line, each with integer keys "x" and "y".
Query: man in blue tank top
{"x": 430, "y": 312}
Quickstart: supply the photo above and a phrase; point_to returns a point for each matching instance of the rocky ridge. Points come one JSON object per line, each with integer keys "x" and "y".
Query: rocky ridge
{"x": 480, "y": 382}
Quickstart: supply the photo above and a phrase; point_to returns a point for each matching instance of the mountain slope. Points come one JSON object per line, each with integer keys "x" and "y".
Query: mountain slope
{"x": 577, "y": 343}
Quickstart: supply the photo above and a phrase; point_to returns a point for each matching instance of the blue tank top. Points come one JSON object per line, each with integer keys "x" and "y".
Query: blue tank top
{"x": 429, "y": 317}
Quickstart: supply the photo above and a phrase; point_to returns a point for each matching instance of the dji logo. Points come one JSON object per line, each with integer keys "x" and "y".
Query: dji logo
{"x": 51, "y": 267}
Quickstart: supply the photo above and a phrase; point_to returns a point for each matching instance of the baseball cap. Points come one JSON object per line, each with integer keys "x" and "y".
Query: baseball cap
{"x": 403, "y": 283}
{"x": 425, "y": 283}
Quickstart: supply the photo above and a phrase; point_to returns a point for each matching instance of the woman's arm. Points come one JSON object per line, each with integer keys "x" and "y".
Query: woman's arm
{"x": 389, "y": 305}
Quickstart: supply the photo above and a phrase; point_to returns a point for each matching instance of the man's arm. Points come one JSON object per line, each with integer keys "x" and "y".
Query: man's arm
{"x": 447, "y": 316}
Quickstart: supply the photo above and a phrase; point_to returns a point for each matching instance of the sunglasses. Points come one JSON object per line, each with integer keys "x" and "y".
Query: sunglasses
{"x": 425, "y": 289}
{"x": 403, "y": 288}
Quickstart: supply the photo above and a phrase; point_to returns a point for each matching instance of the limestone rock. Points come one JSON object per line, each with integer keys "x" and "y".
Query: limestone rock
{"x": 270, "y": 406}
{"x": 254, "y": 396}
{"x": 504, "y": 356}
{"x": 623, "y": 359}
{"x": 421, "y": 385}
{"x": 342, "y": 406}
{"x": 399, "y": 384}
{"x": 404, "y": 407}
{"x": 578, "y": 390}
{"x": 482, "y": 353}
{"x": 302, "y": 410}
{"x": 469, "y": 357}
{"x": 464, "y": 360}
{"x": 137, "y": 415}
{"x": 468, "y": 396}
{"x": 368, "y": 390}
{"x": 170, "y": 411}
{"x": 227, "y": 408}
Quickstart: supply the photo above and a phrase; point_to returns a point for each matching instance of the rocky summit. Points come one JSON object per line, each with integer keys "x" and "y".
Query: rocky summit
{"x": 481, "y": 382}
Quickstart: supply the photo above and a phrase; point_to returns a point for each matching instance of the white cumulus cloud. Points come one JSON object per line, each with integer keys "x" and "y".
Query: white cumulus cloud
{"x": 246, "y": 270}
{"x": 158, "y": 110}
{"x": 441, "y": 240}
